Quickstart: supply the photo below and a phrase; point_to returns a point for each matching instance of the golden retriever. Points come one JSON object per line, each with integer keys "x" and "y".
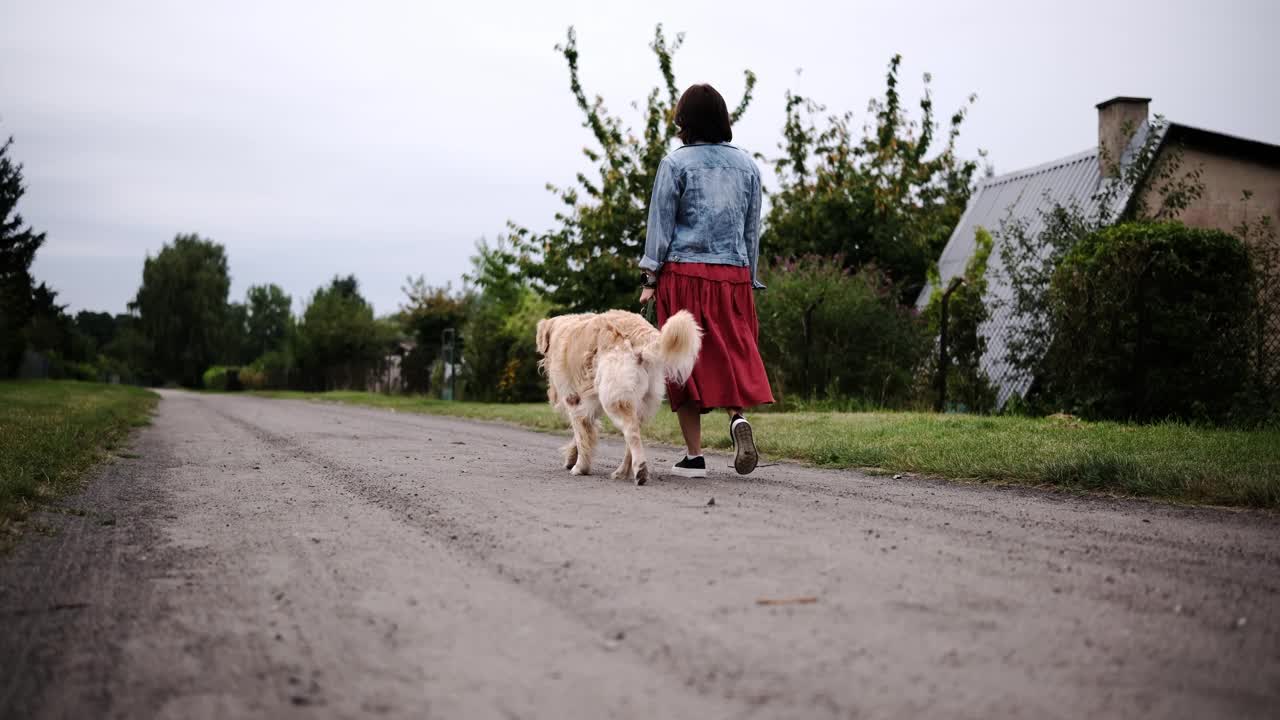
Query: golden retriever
{"x": 618, "y": 363}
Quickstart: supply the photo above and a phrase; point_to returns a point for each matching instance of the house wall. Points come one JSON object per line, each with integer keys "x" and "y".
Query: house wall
{"x": 1225, "y": 179}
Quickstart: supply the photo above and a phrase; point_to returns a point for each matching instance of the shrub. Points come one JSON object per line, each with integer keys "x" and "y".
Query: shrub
{"x": 252, "y": 379}
{"x": 275, "y": 368}
{"x": 829, "y": 333}
{"x": 499, "y": 353}
{"x": 62, "y": 368}
{"x": 1151, "y": 322}
{"x": 221, "y": 377}
{"x": 1262, "y": 400}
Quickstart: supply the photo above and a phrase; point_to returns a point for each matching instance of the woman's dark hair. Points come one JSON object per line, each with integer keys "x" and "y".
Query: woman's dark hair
{"x": 702, "y": 116}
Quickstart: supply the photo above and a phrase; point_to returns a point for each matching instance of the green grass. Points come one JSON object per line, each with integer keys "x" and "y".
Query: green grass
{"x": 51, "y": 432}
{"x": 1170, "y": 460}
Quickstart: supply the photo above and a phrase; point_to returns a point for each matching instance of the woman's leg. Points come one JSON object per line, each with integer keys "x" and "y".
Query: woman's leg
{"x": 691, "y": 427}
{"x": 746, "y": 456}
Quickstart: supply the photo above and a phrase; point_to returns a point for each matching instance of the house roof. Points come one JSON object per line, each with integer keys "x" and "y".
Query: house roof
{"x": 1223, "y": 143}
{"x": 1017, "y": 196}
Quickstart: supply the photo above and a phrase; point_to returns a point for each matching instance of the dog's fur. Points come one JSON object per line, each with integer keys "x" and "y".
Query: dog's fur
{"x": 615, "y": 362}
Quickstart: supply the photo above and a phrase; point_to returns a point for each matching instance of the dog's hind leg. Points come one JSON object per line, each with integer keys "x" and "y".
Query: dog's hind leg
{"x": 624, "y": 415}
{"x": 569, "y": 451}
{"x": 625, "y": 468}
{"x": 584, "y": 433}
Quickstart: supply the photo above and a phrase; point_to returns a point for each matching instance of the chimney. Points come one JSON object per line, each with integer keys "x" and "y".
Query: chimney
{"x": 1118, "y": 119}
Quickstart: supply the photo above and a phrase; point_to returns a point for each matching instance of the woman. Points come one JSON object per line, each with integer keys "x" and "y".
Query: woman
{"x": 700, "y": 255}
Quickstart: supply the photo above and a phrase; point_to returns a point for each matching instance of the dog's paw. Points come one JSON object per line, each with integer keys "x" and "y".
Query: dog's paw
{"x": 578, "y": 470}
{"x": 618, "y": 474}
{"x": 642, "y": 474}
{"x": 570, "y": 457}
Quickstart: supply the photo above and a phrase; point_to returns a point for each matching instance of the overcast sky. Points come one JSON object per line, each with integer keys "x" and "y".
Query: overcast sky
{"x": 382, "y": 139}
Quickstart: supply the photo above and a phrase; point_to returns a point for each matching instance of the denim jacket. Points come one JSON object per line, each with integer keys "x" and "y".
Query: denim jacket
{"x": 705, "y": 209}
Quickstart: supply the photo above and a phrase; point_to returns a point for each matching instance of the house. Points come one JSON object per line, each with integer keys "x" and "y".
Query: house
{"x": 1230, "y": 166}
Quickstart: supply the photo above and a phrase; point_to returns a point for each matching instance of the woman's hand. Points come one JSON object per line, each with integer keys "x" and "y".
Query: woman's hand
{"x": 646, "y": 295}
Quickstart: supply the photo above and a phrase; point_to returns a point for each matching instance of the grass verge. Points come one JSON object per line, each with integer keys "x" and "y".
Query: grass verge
{"x": 51, "y": 432}
{"x": 1169, "y": 460}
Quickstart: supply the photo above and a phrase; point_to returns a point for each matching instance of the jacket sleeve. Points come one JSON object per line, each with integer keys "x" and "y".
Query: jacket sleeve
{"x": 662, "y": 218}
{"x": 753, "y": 232}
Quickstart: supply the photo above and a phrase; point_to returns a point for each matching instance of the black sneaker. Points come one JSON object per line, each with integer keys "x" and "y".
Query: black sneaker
{"x": 745, "y": 454}
{"x": 691, "y": 467}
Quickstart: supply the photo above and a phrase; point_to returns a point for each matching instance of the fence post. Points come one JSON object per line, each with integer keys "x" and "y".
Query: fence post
{"x": 448, "y": 392}
{"x": 944, "y": 360}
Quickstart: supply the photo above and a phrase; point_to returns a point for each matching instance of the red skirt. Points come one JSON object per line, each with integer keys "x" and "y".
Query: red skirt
{"x": 729, "y": 372}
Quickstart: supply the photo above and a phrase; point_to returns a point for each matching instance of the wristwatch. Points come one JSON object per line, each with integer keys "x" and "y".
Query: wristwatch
{"x": 648, "y": 279}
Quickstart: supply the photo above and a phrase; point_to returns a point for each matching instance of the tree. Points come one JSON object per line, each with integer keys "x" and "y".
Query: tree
{"x": 49, "y": 328}
{"x": 18, "y": 246}
{"x": 235, "y": 337}
{"x": 498, "y": 349}
{"x": 339, "y": 341}
{"x": 270, "y": 318}
{"x": 99, "y": 327}
{"x": 427, "y": 312}
{"x": 182, "y": 308}
{"x": 881, "y": 199}
{"x": 589, "y": 263}
{"x": 128, "y": 354}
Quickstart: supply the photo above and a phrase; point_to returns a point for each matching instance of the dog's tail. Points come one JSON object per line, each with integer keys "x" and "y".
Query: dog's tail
{"x": 678, "y": 345}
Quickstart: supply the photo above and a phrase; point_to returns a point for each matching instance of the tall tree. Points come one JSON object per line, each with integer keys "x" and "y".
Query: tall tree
{"x": 18, "y": 245}
{"x": 270, "y": 317}
{"x": 182, "y": 307}
{"x": 50, "y": 329}
{"x": 590, "y": 261}
{"x": 887, "y": 198}
{"x": 339, "y": 340}
{"x": 235, "y": 337}
{"x": 100, "y": 327}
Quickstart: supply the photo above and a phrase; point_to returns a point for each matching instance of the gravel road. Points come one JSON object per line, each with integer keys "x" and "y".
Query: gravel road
{"x": 279, "y": 559}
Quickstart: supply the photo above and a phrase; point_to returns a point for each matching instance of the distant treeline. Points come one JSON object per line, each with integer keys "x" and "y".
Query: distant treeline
{"x": 862, "y": 208}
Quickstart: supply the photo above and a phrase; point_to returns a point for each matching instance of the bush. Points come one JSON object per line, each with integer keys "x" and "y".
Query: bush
{"x": 115, "y": 370}
{"x": 829, "y": 333}
{"x": 339, "y": 343}
{"x": 1262, "y": 400}
{"x": 221, "y": 377}
{"x": 252, "y": 379}
{"x": 499, "y": 352}
{"x": 62, "y": 368}
{"x": 274, "y": 369}
{"x": 1151, "y": 322}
